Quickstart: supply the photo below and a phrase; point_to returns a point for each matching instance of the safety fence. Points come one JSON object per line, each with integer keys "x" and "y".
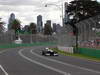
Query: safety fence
{"x": 90, "y": 52}
{"x": 8, "y": 38}
{"x": 27, "y": 44}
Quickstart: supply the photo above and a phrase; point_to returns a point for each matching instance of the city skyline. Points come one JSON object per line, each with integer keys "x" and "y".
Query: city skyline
{"x": 27, "y": 11}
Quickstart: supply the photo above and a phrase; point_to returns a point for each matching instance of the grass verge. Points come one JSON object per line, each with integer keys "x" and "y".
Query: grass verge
{"x": 76, "y": 55}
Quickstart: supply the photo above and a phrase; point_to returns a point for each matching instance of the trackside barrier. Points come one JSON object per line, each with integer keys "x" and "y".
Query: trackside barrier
{"x": 66, "y": 49}
{"x": 25, "y": 45}
{"x": 90, "y": 52}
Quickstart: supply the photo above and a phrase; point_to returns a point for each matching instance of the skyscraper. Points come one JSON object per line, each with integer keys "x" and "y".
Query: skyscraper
{"x": 54, "y": 27}
{"x": 11, "y": 19}
{"x": 39, "y": 23}
{"x": 58, "y": 28}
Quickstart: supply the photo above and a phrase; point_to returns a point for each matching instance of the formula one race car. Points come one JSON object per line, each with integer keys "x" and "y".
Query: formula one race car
{"x": 49, "y": 52}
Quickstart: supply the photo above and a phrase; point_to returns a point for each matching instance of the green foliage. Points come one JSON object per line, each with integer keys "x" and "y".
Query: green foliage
{"x": 47, "y": 30}
{"x": 28, "y": 29}
{"x": 16, "y": 25}
{"x": 32, "y": 28}
{"x": 24, "y": 32}
{"x": 84, "y": 8}
{"x": 1, "y": 26}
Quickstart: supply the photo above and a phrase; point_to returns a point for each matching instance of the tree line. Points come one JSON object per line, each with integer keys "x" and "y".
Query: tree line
{"x": 81, "y": 10}
{"x": 31, "y": 28}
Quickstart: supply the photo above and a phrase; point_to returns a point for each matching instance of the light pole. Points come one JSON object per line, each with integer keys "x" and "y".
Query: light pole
{"x": 60, "y": 7}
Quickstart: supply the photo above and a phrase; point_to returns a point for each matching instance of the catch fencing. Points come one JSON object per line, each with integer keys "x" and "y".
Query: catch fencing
{"x": 6, "y": 38}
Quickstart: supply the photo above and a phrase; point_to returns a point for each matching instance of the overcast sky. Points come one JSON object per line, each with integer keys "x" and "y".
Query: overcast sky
{"x": 27, "y": 10}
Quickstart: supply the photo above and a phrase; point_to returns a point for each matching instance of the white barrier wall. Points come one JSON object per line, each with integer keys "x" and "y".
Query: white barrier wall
{"x": 66, "y": 49}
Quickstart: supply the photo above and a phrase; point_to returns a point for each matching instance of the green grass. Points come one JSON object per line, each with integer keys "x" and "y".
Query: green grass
{"x": 77, "y": 55}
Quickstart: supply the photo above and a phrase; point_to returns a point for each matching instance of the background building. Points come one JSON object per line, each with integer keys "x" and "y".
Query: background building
{"x": 39, "y": 24}
{"x": 54, "y": 27}
{"x": 58, "y": 28}
{"x": 11, "y": 19}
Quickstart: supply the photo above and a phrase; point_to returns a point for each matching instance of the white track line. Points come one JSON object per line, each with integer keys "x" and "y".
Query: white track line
{"x": 5, "y": 50}
{"x": 41, "y": 64}
{"x": 2, "y": 51}
{"x": 66, "y": 64}
{"x": 1, "y": 65}
{"x": 3, "y": 70}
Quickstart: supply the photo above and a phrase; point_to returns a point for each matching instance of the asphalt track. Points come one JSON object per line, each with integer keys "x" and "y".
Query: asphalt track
{"x": 29, "y": 61}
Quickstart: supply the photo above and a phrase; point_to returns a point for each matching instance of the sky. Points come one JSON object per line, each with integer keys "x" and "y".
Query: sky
{"x": 28, "y": 10}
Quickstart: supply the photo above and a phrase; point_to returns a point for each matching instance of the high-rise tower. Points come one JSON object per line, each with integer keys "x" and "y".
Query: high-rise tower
{"x": 11, "y": 19}
{"x": 39, "y": 23}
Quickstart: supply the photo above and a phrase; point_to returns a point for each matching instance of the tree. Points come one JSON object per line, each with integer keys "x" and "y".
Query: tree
{"x": 16, "y": 26}
{"x": 26, "y": 29}
{"x": 1, "y": 26}
{"x": 80, "y": 10}
{"x": 32, "y": 28}
{"x": 48, "y": 30}
{"x": 84, "y": 8}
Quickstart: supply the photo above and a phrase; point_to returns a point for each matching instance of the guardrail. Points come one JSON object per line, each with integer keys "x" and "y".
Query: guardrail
{"x": 90, "y": 52}
{"x": 26, "y": 45}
